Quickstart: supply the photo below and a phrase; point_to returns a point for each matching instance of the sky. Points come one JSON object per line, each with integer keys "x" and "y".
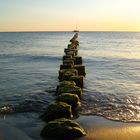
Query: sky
{"x": 65, "y": 15}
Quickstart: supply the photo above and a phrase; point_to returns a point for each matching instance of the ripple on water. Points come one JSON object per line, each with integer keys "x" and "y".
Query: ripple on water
{"x": 125, "y": 109}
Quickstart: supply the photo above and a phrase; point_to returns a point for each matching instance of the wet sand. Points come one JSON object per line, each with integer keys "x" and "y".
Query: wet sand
{"x": 21, "y": 126}
{"x": 99, "y": 128}
{"x": 27, "y": 126}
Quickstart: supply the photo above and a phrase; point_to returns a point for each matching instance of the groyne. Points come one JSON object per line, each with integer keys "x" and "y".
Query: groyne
{"x": 59, "y": 116}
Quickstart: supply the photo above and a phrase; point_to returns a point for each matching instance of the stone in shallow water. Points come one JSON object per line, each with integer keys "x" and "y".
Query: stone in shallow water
{"x": 63, "y": 129}
{"x": 57, "y": 110}
{"x": 69, "y": 61}
{"x": 69, "y": 98}
{"x": 74, "y": 41}
{"x": 65, "y": 57}
{"x": 80, "y": 69}
{"x": 78, "y": 60}
{"x": 66, "y": 66}
{"x": 66, "y": 76}
{"x": 70, "y": 89}
{"x": 67, "y": 72}
{"x": 65, "y": 83}
{"x": 79, "y": 80}
{"x": 72, "y": 46}
{"x": 73, "y": 50}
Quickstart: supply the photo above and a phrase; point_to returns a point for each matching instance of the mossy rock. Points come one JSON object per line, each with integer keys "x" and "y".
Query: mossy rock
{"x": 71, "y": 49}
{"x": 78, "y": 60}
{"x": 65, "y": 83}
{"x": 57, "y": 110}
{"x": 71, "y": 53}
{"x": 72, "y": 46}
{"x": 68, "y": 61}
{"x": 63, "y": 129}
{"x": 80, "y": 69}
{"x": 64, "y": 71}
{"x": 69, "y": 98}
{"x": 66, "y": 66}
{"x": 67, "y": 57}
{"x": 79, "y": 80}
{"x": 66, "y": 76}
{"x": 70, "y": 89}
{"x": 74, "y": 41}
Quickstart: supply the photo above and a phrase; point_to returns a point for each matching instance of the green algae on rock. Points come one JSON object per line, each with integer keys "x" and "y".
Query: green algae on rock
{"x": 70, "y": 89}
{"x": 59, "y": 114}
{"x": 71, "y": 49}
{"x": 68, "y": 61}
{"x": 75, "y": 42}
{"x": 69, "y": 98}
{"x": 65, "y": 83}
{"x": 67, "y": 72}
{"x": 66, "y": 76}
{"x": 57, "y": 110}
{"x": 66, "y": 66}
{"x": 78, "y": 60}
{"x": 63, "y": 129}
{"x": 67, "y": 57}
{"x": 78, "y": 80}
{"x": 80, "y": 69}
{"x": 72, "y": 46}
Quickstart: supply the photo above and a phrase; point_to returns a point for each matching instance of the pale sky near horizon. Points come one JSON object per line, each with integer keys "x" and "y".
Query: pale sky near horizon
{"x": 63, "y": 15}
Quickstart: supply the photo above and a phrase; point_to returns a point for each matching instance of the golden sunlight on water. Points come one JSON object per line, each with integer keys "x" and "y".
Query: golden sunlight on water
{"x": 118, "y": 133}
{"x": 128, "y": 55}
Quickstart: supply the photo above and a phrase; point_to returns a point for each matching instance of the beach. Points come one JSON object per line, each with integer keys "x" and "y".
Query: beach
{"x": 102, "y": 129}
{"x": 28, "y": 126}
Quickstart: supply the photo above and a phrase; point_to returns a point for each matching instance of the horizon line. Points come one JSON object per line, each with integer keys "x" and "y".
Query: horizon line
{"x": 64, "y": 31}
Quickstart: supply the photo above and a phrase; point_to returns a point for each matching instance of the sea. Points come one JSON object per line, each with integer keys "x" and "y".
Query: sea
{"x": 30, "y": 61}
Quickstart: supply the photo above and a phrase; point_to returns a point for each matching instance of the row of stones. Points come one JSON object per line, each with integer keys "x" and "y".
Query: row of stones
{"x": 59, "y": 115}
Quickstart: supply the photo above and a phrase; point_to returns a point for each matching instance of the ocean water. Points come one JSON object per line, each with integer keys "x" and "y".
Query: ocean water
{"x": 29, "y": 64}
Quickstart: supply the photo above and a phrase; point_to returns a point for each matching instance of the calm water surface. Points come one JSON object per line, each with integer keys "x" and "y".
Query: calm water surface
{"x": 29, "y": 64}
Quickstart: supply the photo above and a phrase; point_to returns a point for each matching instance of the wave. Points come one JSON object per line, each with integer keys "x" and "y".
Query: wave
{"x": 30, "y": 57}
{"x": 36, "y": 102}
{"x": 125, "y": 109}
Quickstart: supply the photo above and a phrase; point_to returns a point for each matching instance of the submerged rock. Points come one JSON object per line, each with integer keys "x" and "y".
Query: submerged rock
{"x": 69, "y": 98}
{"x": 57, "y": 110}
{"x": 63, "y": 129}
